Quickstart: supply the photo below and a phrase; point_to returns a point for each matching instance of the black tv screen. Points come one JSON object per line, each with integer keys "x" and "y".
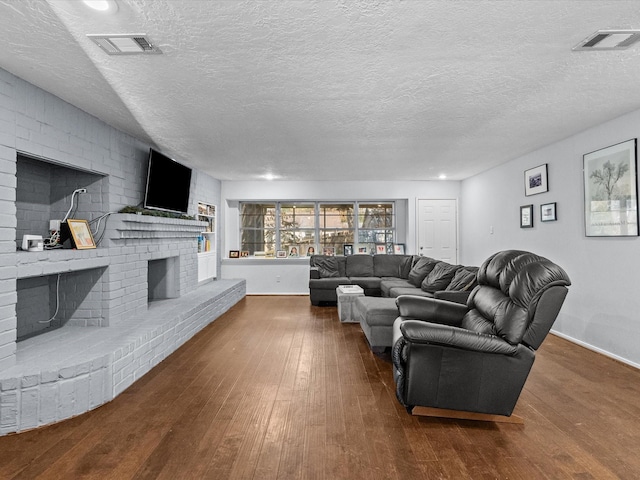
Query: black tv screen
{"x": 168, "y": 184}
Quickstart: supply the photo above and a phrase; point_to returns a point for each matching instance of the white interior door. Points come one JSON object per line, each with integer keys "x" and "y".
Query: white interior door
{"x": 438, "y": 230}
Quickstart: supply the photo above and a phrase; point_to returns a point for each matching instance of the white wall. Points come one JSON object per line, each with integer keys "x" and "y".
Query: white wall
{"x": 601, "y": 310}
{"x": 405, "y": 194}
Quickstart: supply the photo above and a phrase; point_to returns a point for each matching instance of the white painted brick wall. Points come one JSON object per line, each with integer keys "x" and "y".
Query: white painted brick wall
{"x": 40, "y": 124}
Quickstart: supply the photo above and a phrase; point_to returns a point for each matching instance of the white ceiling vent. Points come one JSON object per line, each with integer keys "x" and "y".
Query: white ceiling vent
{"x": 125, "y": 44}
{"x": 609, "y": 40}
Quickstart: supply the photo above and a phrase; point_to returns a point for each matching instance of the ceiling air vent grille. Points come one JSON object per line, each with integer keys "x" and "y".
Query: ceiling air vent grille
{"x": 125, "y": 44}
{"x": 609, "y": 40}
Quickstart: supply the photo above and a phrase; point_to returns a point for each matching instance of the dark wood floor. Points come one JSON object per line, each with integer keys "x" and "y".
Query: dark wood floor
{"x": 277, "y": 388}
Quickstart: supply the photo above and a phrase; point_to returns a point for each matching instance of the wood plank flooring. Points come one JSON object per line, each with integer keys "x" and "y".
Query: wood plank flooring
{"x": 279, "y": 389}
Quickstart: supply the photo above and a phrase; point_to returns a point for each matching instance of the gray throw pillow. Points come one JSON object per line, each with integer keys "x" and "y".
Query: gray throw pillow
{"x": 420, "y": 270}
{"x": 464, "y": 279}
{"x": 440, "y": 277}
{"x": 327, "y": 267}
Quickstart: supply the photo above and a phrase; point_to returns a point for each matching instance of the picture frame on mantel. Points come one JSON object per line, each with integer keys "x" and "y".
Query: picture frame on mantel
{"x": 611, "y": 191}
{"x": 536, "y": 180}
{"x": 81, "y": 236}
{"x": 526, "y": 216}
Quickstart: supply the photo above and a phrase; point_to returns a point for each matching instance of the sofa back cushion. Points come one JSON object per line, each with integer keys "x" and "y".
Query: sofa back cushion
{"x": 328, "y": 267}
{"x": 465, "y": 279}
{"x": 359, "y": 266}
{"x": 392, "y": 265}
{"x": 420, "y": 269}
{"x": 440, "y": 277}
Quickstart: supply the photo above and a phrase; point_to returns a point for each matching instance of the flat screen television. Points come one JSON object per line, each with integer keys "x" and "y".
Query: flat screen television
{"x": 168, "y": 184}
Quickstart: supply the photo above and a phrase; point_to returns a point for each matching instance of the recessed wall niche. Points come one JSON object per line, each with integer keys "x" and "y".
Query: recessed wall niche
{"x": 73, "y": 298}
{"x": 43, "y": 192}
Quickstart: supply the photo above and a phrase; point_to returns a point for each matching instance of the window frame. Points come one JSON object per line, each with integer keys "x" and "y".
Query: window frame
{"x": 390, "y": 232}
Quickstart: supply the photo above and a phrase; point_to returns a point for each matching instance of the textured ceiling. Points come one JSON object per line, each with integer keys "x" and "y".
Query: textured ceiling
{"x": 326, "y": 90}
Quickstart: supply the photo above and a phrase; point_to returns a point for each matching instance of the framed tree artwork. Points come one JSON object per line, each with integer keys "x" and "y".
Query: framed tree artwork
{"x": 611, "y": 191}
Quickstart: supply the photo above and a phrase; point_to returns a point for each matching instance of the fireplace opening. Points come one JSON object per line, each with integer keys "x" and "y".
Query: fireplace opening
{"x": 163, "y": 279}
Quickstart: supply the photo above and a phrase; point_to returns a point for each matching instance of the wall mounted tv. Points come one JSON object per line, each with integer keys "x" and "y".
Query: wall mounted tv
{"x": 168, "y": 184}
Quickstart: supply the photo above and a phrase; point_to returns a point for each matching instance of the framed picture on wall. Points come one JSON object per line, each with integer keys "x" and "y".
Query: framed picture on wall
{"x": 611, "y": 191}
{"x": 398, "y": 248}
{"x": 548, "y": 212}
{"x": 526, "y": 216}
{"x": 535, "y": 180}
{"x": 348, "y": 249}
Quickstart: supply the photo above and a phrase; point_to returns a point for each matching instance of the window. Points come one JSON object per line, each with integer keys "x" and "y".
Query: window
{"x": 375, "y": 225}
{"x": 297, "y": 225}
{"x": 323, "y": 224}
{"x": 337, "y": 225}
{"x": 258, "y": 227}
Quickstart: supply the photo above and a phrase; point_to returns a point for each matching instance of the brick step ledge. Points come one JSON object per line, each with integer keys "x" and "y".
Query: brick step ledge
{"x": 71, "y": 370}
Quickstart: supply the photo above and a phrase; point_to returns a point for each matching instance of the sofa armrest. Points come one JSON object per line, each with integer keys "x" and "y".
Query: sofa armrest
{"x": 430, "y": 309}
{"x": 314, "y": 273}
{"x": 453, "y": 296}
{"x": 446, "y": 335}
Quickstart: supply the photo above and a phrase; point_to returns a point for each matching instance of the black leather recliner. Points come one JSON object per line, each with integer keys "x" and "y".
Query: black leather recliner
{"x": 476, "y": 358}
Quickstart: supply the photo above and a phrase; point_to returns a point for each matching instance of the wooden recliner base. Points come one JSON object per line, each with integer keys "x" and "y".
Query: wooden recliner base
{"x": 463, "y": 415}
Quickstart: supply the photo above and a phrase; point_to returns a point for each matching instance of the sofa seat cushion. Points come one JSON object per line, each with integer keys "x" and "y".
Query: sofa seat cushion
{"x": 328, "y": 283}
{"x": 376, "y": 311}
{"x": 368, "y": 283}
{"x": 421, "y": 268}
{"x": 397, "y": 291}
{"x": 440, "y": 277}
{"x": 390, "y": 282}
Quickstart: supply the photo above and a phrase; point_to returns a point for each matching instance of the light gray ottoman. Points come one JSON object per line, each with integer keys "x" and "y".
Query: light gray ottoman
{"x": 346, "y": 295}
{"x": 376, "y": 316}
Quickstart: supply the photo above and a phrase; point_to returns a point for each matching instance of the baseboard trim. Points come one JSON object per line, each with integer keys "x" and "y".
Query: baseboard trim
{"x": 588, "y": 346}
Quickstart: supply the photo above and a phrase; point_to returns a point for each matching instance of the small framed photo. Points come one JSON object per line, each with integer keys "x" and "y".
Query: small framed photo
{"x": 244, "y": 254}
{"x": 348, "y": 249}
{"x": 381, "y": 249}
{"x": 294, "y": 251}
{"x": 310, "y": 250}
{"x": 398, "y": 248}
{"x": 281, "y": 254}
{"x": 535, "y": 180}
{"x": 526, "y": 216}
{"x": 362, "y": 250}
{"x": 234, "y": 253}
{"x": 81, "y": 234}
{"x": 548, "y": 212}
{"x": 330, "y": 251}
